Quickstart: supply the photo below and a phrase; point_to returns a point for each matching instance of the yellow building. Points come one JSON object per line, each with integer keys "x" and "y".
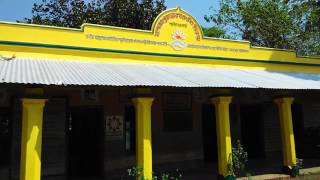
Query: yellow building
{"x": 92, "y": 102}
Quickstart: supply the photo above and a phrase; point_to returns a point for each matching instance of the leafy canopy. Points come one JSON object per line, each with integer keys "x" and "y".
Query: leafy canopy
{"x": 284, "y": 24}
{"x": 138, "y": 14}
{"x": 214, "y": 32}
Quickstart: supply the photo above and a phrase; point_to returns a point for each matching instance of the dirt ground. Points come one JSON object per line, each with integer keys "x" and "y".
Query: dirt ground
{"x": 306, "y": 174}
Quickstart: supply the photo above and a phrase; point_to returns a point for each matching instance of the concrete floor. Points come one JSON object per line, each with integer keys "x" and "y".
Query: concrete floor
{"x": 197, "y": 170}
{"x": 259, "y": 169}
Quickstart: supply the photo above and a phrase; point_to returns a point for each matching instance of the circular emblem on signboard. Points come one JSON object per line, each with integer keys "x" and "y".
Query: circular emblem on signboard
{"x": 178, "y": 37}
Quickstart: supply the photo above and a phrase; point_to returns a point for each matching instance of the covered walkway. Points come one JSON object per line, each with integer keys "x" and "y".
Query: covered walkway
{"x": 72, "y": 72}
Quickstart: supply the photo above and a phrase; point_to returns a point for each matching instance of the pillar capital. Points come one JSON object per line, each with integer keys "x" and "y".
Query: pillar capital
{"x": 142, "y": 100}
{"x": 220, "y": 91}
{"x": 284, "y": 100}
{"x": 221, "y": 99}
{"x": 32, "y": 102}
{"x": 142, "y": 92}
{"x": 34, "y": 92}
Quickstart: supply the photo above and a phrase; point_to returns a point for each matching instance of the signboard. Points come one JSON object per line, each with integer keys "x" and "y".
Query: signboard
{"x": 174, "y": 34}
{"x": 174, "y": 29}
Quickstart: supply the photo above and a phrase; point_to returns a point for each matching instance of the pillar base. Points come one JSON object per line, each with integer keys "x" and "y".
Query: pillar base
{"x": 293, "y": 172}
{"x": 229, "y": 177}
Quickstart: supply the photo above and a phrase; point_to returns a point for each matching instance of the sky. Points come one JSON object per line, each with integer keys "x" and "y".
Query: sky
{"x": 12, "y": 10}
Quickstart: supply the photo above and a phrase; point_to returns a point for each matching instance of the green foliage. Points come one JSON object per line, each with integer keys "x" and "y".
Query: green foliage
{"x": 296, "y": 169}
{"x": 238, "y": 159}
{"x": 138, "y": 14}
{"x": 137, "y": 172}
{"x": 285, "y": 24}
{"x": 213, "y": 32}
{"x": 299, "y": 163}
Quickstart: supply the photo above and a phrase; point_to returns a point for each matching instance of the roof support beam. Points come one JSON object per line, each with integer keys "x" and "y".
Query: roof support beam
{"x": 143, "y": 135}
{"x": 31, "y": 139}
{"x": 223, "y": 134}
{"x": 287, "y": 135}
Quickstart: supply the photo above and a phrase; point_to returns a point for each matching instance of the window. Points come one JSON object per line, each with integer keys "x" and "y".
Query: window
{"x": 130, "y": 130}
{"x": 177, "y": 121}
{"x": 177, "y": 112}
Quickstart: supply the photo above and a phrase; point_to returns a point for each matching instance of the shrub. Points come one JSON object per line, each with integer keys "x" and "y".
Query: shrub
{"x": 238, "y": 159}
{"x": 138, "y": 173}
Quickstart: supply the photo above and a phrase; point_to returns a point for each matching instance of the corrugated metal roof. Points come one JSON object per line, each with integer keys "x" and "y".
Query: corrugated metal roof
{"x": 64, "y": 72}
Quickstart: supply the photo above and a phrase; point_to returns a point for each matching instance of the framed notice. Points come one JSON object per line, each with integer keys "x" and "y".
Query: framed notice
{"x": 89, "y": 95}
{"x": 114, "y": 126}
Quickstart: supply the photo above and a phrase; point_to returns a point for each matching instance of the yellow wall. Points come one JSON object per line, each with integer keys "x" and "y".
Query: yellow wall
{"x": 120, "y": 45}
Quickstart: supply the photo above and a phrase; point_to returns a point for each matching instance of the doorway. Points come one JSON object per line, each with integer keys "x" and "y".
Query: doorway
{"x": 252, "y": 130}
{"x": 5, "y": 142}
{"x": 209, "y": 133}
{"x": 303, "y": 145}
{"x": 86, "y": 142}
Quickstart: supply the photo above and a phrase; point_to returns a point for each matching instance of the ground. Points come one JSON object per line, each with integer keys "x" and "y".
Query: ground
{"x": 306, "y": 174}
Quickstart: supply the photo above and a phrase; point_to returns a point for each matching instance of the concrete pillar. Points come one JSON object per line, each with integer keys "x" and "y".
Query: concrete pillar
{"x": 223, "y": 134}
{"x": 31, "y": 139}
{"x": 287, "y": 135}
{"x": 143, "y": 135}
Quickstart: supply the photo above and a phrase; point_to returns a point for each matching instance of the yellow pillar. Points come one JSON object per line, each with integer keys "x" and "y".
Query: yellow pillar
{"x": 223, "y": 133}
{"x": 143, "y": 135}
{"x": 31, "y": 139}
{"x": 287, "y": 135}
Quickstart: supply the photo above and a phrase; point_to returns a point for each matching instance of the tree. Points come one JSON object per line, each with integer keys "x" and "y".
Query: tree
{"x": 307, "y": 13}
{"x": 73, "y": 13}
{"x": 285, "y": 24}
{"x": 214, "y": 32}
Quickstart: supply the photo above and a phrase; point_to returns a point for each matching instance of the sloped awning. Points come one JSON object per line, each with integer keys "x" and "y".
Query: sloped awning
{"x": 63, "y": 72}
